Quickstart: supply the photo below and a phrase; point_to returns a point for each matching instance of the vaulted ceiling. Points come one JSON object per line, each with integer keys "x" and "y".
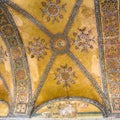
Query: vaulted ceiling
{"x": 59, "y": 58}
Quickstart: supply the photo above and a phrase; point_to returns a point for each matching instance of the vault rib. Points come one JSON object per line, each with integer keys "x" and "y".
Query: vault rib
{"x": 45, "y": 74}
{"x": 18, "y": 40}
{"x": 84, "y": 99}
{"x": 88, "y": 75}
{"x": 73, "y": 15}
{"x": 6, "y": 86}
{"x": 30, "y": 17}
{"x": 101, "y": 49}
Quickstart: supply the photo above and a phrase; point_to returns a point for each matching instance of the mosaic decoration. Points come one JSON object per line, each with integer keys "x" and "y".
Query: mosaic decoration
{"x": 114, "y": 76}
{"x": 110, "y": 13}
{"x": 3, "y": 55}
{"x": 24, "y": 103}
{"x": 53, "y": 10}
{"x": 16, "y": 52}
{"x": 115, "y": 89}
{"x": 22, "y": 89}
{"x": 64, "y": 109}
{"x": 60, "y": 104}
{"x": 82, "y": 40}
{"x": 38, "y": 48}
{"x": 60, "y": 44}
{"x": 116, "y": 104}
{"x": 65, "y": 75}
{"x": 20, "y": 70}
{"x": 112, "y": 64}
{"x": 110, "y": 31}
{"x": 21, "y": 108}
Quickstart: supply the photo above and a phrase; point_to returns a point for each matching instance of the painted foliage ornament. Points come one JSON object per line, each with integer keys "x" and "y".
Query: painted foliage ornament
{"x": 53, "y": 10}
{"x": 82, "y": 40}
{"x": 38, "y": 48}
{"x": 65, "y": 75}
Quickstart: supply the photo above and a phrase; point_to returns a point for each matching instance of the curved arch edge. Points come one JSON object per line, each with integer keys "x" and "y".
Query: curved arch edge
{"x": 87, "y": 100}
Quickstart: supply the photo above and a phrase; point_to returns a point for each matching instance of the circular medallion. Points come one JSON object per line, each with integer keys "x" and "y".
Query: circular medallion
{"x": 60, "y": 44}
{"x": 53, "y": 10}
{"x": 65, "y": 76}
{"x": 8, "y": 30}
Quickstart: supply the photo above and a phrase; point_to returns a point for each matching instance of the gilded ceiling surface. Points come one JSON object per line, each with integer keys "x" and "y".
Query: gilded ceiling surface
{"x": 59, "y": 58}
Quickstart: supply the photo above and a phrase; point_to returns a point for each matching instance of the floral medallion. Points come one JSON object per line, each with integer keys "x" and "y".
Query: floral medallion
{"x": 60, "y": 43}
{"x": 8, "y": 30}
{"x": 53, "y": 10}
{"x": 38, "y": 48}
{"x": 82, "y": 40}
{"x": 65, "y": 75}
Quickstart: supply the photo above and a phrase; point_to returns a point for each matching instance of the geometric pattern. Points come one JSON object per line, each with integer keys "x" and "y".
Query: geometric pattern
{"x": 65, "y": 75}
{"x": 107, "y": 16}
{"x": 109, "y": 33}
{"x": 38, "y": 48}
{"x": 53, "y": 10}
{"x": 19, "y": 64}
{"x": 82, "y": 40}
